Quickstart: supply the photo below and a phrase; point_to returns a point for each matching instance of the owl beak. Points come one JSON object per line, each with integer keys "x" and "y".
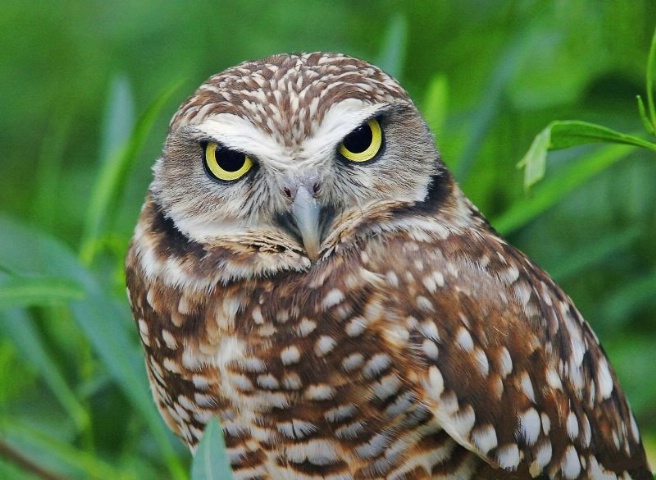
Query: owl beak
{"x": 306, "y": 212}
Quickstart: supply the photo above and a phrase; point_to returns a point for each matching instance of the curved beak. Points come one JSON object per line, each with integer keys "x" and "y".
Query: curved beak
{"x": 306, "y": 212}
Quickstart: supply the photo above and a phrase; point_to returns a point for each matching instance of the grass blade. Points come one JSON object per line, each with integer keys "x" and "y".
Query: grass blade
{"x": 392, "y": 56}
{"x": 31, "y": 291}
{"x": 651, "y": 65}
{"x": 436, "y": 102}
{"x": 489, "y": 110}
{"x": 36, "y": 441}
{"x": 118, "y": 121}
{"x": 113, "y": 173}
{"x": 20, "y": 328}
{"x": 47, "y": 174}
{"x": 99, "y": 317}
{"x": 646, "y": 122}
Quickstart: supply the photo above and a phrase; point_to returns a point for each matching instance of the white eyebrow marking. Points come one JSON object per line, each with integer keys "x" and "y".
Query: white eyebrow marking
{"x": 241, "y": 134}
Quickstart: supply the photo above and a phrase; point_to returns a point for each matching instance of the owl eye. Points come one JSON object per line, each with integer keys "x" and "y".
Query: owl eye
{"x": 363, "y": 143}
{"x": 225, "y": 164}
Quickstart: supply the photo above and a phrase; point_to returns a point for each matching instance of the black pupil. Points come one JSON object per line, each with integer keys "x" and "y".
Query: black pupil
{"x": 229, "y": 160}
{"x": 359, "y": 139}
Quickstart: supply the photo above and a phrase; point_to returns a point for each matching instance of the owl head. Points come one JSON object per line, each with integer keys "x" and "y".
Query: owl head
{"x": 294, "y": 149}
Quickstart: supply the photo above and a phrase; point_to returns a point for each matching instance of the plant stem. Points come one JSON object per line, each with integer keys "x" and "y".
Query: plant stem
{"x": 16, "y": 457}
{"x": 650, "y": 80}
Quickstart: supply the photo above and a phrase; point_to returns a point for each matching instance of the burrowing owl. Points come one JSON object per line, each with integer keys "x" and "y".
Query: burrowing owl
{"x": 306, "y": 269}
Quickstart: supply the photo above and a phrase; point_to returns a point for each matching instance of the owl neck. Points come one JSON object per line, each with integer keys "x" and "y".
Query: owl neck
{"x": 168, "y": 253}
{"x": 443, "y": 211}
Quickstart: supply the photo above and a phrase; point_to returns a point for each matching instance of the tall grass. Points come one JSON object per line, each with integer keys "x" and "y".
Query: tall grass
{"x": 74, "y": 398}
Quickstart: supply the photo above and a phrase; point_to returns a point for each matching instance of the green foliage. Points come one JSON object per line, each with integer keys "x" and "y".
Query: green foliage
{"x": 211, "y": 460}
{"x": 87, "y": 93}
{"x": 122, "y": 153}
{"x": 16, "y": 291}
{"x": 567, "y": 134}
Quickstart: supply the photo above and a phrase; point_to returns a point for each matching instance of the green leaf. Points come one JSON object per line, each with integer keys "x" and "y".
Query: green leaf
{"x": 101, "y": 318}
{"x": 211, "y": 461}
{"x": 566, "y": 134}
{"x": 535, "y": 160}
{"x": 49, "y": 168}
{"x": 113, "y": 174}
{"x": 45, "y": 447}
{"x": 21, "y": 330}
{"x": 436, "y": 102}
{"x": 31, "y": 291}
{"x": 554, "y": 188}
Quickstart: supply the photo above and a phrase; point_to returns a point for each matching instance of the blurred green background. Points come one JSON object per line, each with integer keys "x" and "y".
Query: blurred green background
{"x": 87, "y": 89}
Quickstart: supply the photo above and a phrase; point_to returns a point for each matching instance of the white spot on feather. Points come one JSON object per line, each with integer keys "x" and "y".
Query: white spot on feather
{"x": 430, "y": 349}
{"x": 484, "y": 438}
{"x": 508, "y": 456}
{"x": 553, "y": 379}
{"x": 392, "y": 279}
{"x": 257, "y": 316}
{"x": 435, "y": 385}
{"x": 571, "y": 466}
{"x": 332, "y": 298}
{"x": 542, "y": 458}
{"x": 481, "y": 361}
{"x": 377, "y": 364}
{"x": 572, "y": 426}
{"x": 527, "y": 386}
{"x": 296, "y": 429}
{"x": 505, "y": 362}
{"x": 315, "y": 452}
{"x": 373, "y": 448}
{"x": 529, "y": 426}
{"x": 324, "y": 345}
{"x": 306, "y": 327}
{"x": 171, "y": 365}
{"x": 200, "y": 382}
{"x": 290, "y": 355}
{"x": 353, "y": 361}
{"x": 143, "y": 332}
{"x": 546, "y": 423}
{"x": 169, "y": 340}
{"x": 341, "y": 413}
{"x": 597, "y": 472}
{"x": 463, "y": 421}
{"x": 291, "y": 381}
{"x": 428, "y": 328}
{"x": 356, "y": 326}
{"x": 464, "y": 339}
{"x": 604, "y": 380}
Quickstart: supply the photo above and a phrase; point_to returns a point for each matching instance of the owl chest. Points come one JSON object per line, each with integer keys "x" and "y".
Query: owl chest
{"x": 318, "y": 380}
{"x": 302, "y": 343}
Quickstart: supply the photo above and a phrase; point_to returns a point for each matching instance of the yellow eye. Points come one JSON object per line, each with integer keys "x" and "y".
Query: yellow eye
{"x": 363, "y": 143}
{"x": 225, "y": 164}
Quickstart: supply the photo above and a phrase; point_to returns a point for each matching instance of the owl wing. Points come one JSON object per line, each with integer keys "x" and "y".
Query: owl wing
{"x": 508, "y": 366}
